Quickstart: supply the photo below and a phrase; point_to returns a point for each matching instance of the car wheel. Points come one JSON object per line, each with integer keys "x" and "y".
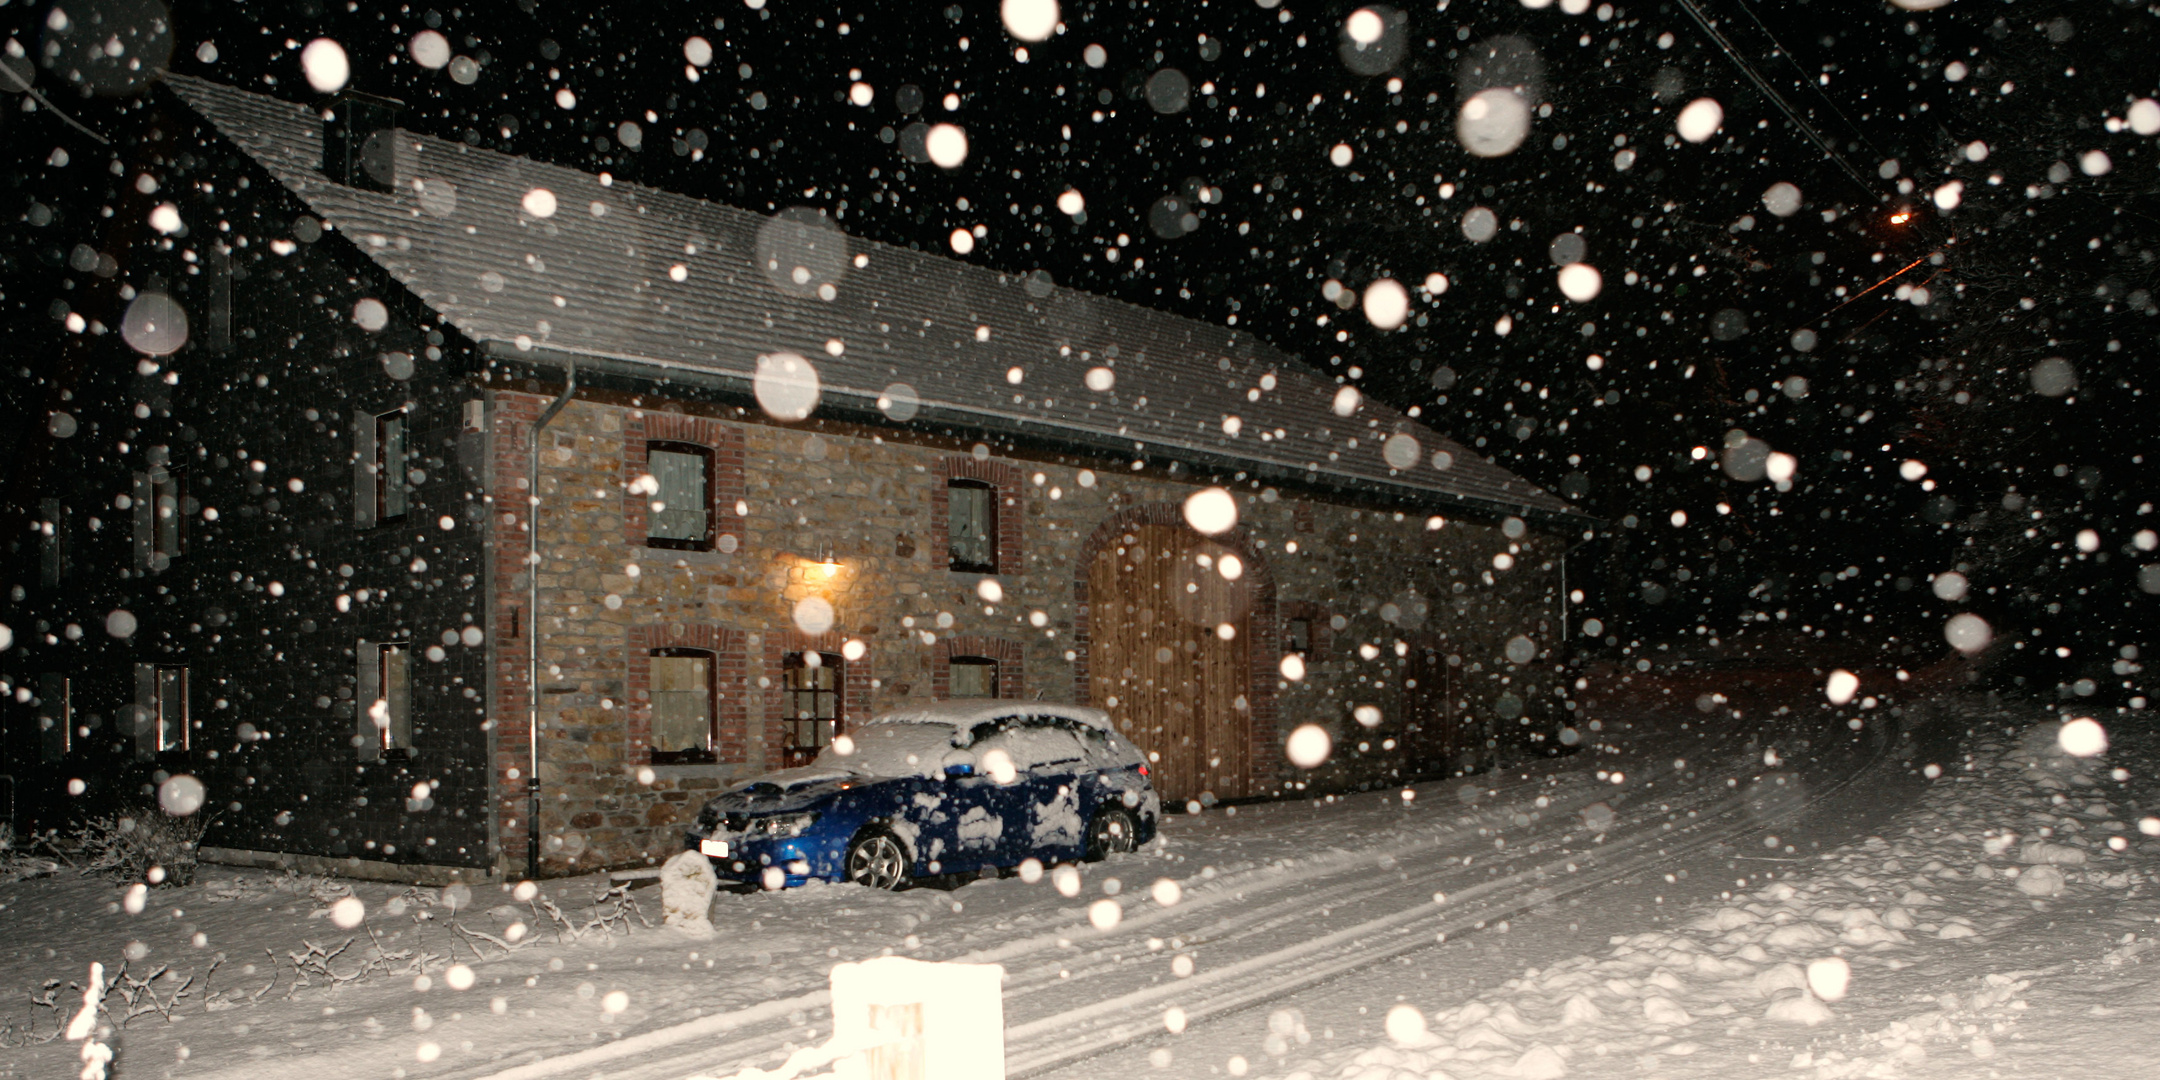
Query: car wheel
{"x": 876, "y": 859}
{"x": 1112, "y": 831}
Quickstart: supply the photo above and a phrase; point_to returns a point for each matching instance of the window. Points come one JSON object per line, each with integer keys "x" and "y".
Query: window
{"x": 973, "y": 677}
{"x": 681, "y": 496}
{"x": 56, "y": 716}
{"x": 384, "y": 700}
{"x": 392, "y": 499}
{"x": 159, "y": 502}
{"x": 683, "y": 729}
{"x": 1297, "y": 635}
{"x": 217, "y": 280}
{"x": 169, "y": 487}
{"x": 170, "y": 724}
{"x": 52, "y": 542}
{"x": 971, "y": 531}
{"x": 810, "y": 683}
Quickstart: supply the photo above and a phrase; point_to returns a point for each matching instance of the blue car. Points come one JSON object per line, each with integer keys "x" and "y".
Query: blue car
{"x": 948, "y": 788}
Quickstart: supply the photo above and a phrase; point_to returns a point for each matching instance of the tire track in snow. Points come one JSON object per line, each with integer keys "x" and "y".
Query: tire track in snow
{"x": 1062, "y": 1039}
{"x": 1258, "y": 907}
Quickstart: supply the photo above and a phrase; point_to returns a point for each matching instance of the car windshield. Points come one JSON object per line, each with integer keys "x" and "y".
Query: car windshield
{"x": 891, "y": 750}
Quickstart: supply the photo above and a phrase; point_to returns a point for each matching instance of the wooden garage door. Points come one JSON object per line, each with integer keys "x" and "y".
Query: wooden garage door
{"x": 1161, "y": 664}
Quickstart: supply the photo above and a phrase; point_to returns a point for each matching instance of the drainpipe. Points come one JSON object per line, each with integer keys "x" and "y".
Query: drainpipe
{"x": 532, "y": 626}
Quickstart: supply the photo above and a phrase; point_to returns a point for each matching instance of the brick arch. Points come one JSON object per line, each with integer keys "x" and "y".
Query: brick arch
{"x": 642, "y": 428}
{"x": 1262, "y": 629}
{"x": 730, "y": 679}
{"x": 1004, "y": 478}
{"x": 1011, "y": 670}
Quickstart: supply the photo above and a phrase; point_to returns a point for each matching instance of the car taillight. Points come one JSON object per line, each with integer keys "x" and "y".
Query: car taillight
{"x": 1143, "y": 769}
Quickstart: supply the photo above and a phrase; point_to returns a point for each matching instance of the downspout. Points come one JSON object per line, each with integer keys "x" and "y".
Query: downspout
{"x": 532, "y": 626}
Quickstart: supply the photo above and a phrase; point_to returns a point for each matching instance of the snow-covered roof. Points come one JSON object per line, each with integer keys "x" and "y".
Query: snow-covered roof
{"x": 669, "y": 284}
{"x": 965, "y": 714}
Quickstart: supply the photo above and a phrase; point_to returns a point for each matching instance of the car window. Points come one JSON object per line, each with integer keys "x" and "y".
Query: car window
{"x": 1033, "y": 743}
{"x": 892, "y": 750}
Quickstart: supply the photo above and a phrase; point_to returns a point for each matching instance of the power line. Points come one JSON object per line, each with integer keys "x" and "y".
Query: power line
{"x": 1762, "y": 84}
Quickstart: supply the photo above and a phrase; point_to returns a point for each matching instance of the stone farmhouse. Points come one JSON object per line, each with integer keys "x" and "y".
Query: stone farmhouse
{"x": 488, "y": 515}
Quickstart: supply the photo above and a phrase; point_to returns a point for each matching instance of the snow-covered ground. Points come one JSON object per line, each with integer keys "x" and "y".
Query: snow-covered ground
{"x": 1621, "y": 912}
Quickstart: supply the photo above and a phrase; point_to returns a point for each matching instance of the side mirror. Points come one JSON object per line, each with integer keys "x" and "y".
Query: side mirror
{"x": 959, "y": 769}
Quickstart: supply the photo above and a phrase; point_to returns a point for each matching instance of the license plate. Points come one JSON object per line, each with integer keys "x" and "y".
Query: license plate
{"x": 716, "y": 849}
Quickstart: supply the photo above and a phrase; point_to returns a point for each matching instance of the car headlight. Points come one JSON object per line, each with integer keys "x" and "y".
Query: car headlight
{"x": 782, "y": 826}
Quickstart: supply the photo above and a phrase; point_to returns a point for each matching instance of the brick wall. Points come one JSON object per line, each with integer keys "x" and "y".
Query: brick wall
{"x": 874, "y": 507}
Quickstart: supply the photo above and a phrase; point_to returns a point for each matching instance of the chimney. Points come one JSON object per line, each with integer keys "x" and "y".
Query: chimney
{"x": 358, "y": 141}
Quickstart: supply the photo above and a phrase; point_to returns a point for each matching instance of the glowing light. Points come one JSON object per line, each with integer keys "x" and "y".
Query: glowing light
{"x": 1364, "y": 26}
{"x": 1829, "y": 977}
{"x": 326, "y": 66}
{"x": 1387, "y": 303}
{"x": 1968, "y": 633}
{"x": 786, "y": 386}
{"x": 348, "y": 912}
{"x": 1029, "y": 20}
{"x": 1699, "y": 120}
{"x": 1841, "y": 687}
{"x": 947, "y": 145}
{"x": 1211, "y": 511}
{"x": 1309, "y": 746}
{"x": 430, "y": 50}
{"x": 1581, "y": 282}
{"x": 1493, "y": 122}
{"x": 2082, "y": 737}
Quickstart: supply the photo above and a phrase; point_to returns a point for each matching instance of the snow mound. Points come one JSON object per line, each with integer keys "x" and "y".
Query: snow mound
{"x": 687, "y": 886}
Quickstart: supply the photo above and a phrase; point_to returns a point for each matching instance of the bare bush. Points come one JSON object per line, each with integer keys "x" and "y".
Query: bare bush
{"x": 143, "y": 844}
{"x": 17, "y": 861}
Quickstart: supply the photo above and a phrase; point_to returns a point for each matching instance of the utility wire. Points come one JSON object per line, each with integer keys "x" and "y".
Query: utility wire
{"x": 32, "y": 91}
{"x": 1794, "y": 60}
{"x": 1762, "y": 84}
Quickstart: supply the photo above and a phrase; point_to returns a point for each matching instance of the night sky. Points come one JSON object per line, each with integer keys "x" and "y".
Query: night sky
{"x": 1883, "y": 321}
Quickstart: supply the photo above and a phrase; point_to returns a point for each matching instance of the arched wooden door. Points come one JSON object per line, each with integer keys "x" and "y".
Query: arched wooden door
{"x": 1170, "y": 655}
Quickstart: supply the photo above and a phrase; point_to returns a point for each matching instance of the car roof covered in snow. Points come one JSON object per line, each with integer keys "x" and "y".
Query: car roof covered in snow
{"x": 966, "y": 714}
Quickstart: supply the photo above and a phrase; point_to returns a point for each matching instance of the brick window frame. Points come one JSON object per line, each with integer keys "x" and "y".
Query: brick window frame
{"x": 854, "y": 684}
{"x": 731, "y": 687}
{"x": 723, "y": 480}
{"x": 1010, "y": 657}
{"x": 1003, "y": 478}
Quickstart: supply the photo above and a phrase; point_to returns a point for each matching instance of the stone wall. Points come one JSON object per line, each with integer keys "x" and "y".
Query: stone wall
{"x": 852, "y": 517}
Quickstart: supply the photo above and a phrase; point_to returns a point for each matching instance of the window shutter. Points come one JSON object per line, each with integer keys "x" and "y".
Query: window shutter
{"x": 365, "y": 737}
{"x": 143, "y": 503}
{"x": 363, "y": 475}
{"x": 145, "y": 712}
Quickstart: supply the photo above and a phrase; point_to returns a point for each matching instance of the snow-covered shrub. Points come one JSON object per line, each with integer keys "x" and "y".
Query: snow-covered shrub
{"x": 16, "y": 862}
{"x": 143, "y": 844}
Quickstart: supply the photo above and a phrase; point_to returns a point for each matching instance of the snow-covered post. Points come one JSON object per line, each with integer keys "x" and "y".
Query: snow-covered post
{"x": 83, "y": 1028}
{"x": 919, "y": 1020}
